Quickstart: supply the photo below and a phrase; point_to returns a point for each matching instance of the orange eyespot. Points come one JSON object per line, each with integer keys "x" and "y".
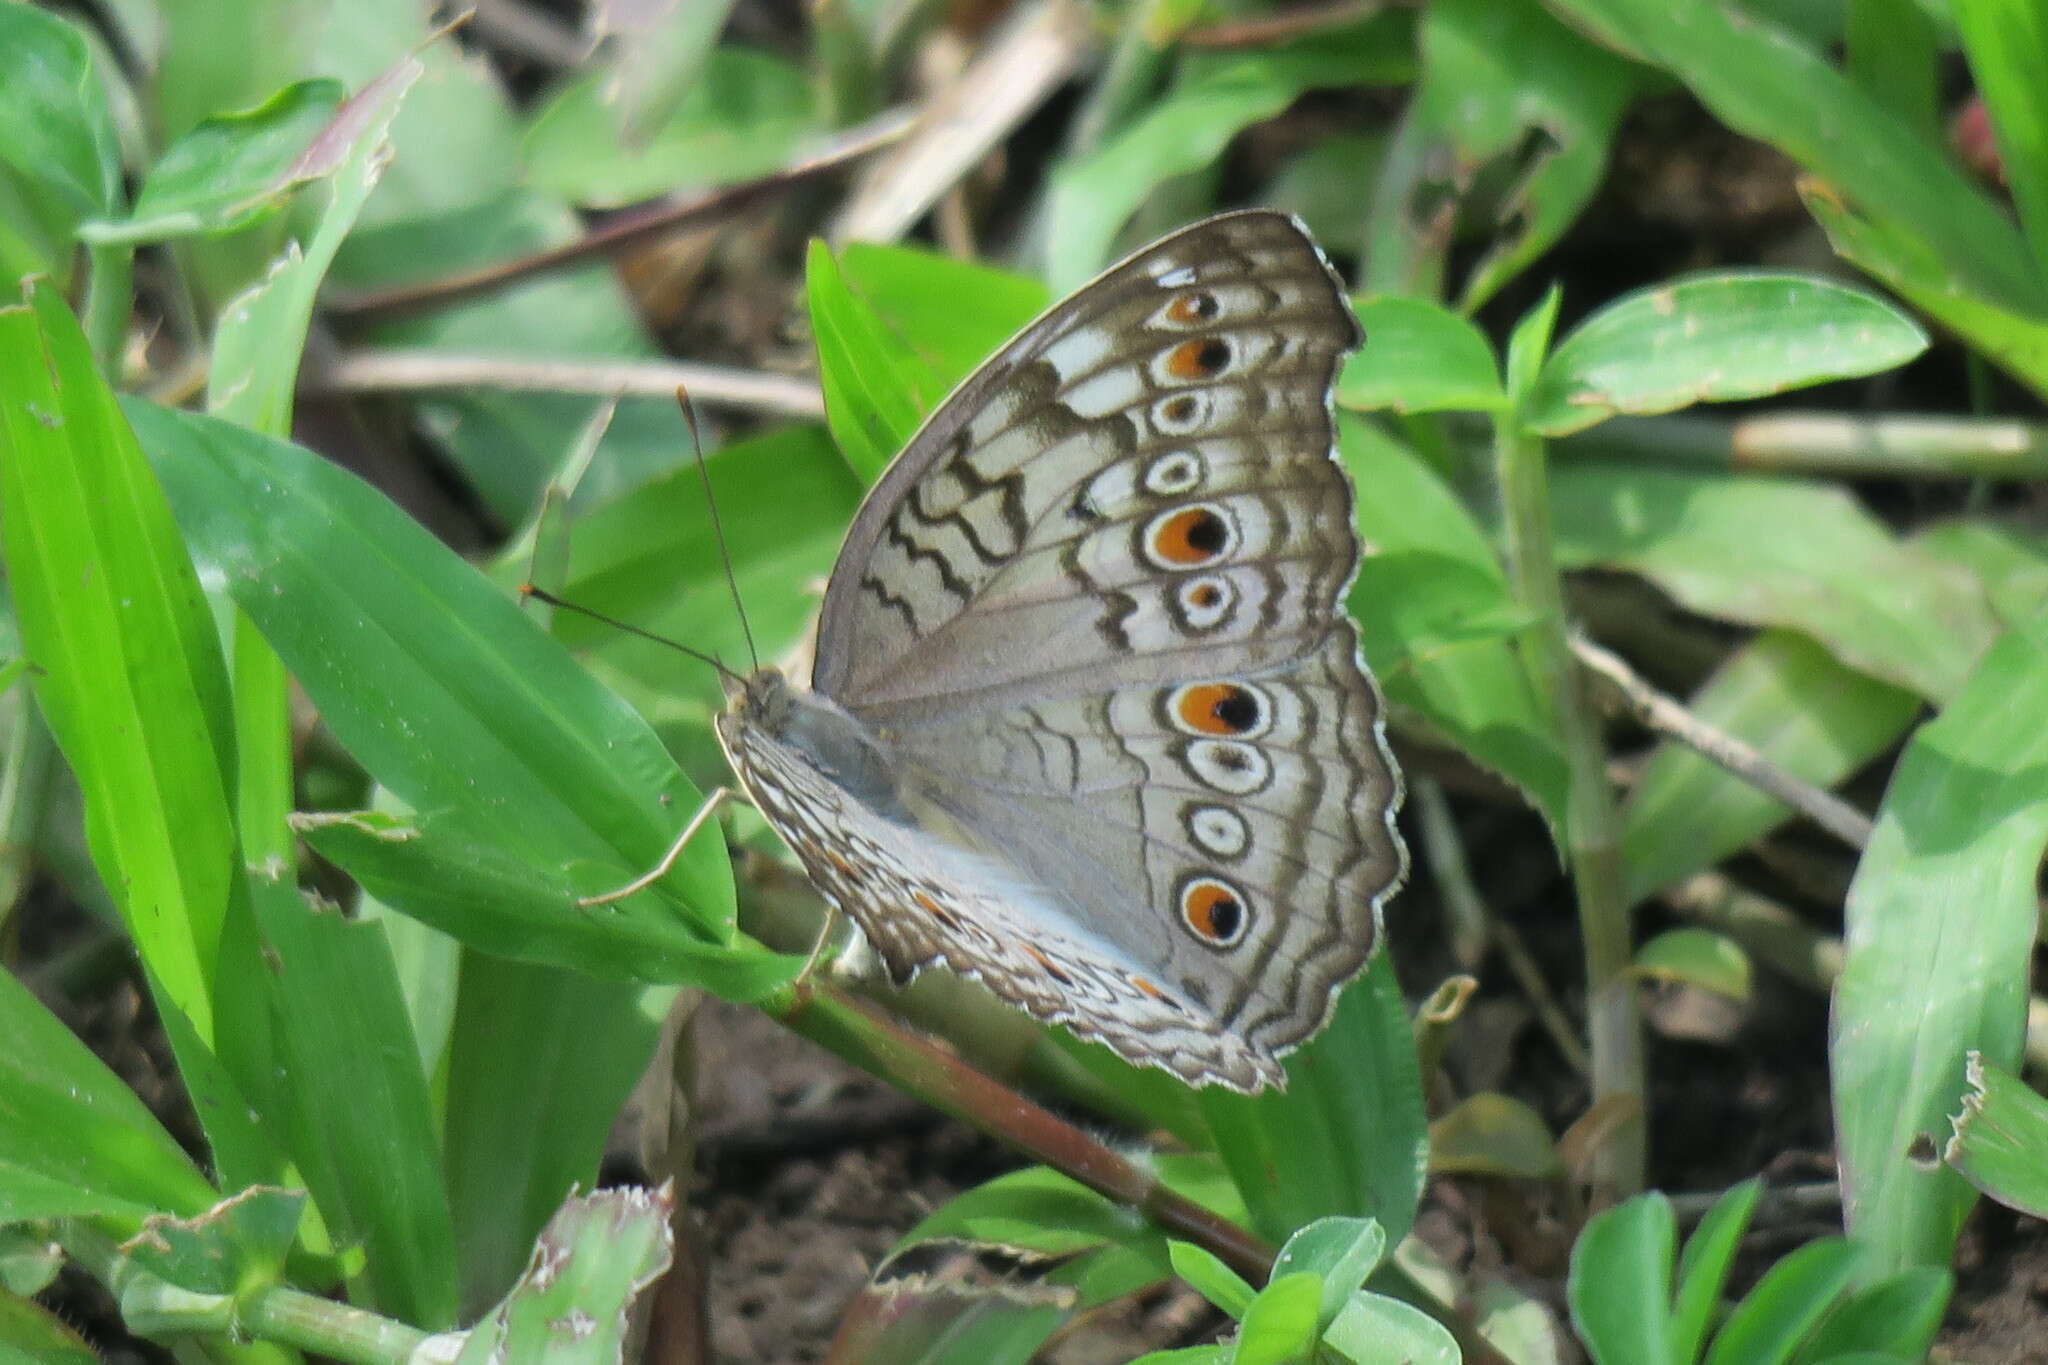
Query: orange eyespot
{"x": 1191, "y": 536}
{"x": 1189, "y": 309}
{"x": 1217, "y": 708}
{"x": 1212, "y": 910}
{"x": 1205, "y": 595}
{"x": 1201, "y": 358}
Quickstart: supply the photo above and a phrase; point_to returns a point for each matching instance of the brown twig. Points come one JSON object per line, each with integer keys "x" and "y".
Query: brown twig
{"x": 1668, "y": 717}
{"x": 624, "y": 231}
{"x": 405, "y": 370}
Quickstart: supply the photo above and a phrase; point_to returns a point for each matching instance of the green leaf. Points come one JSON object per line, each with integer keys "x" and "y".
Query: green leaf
{"x": 2000, "y": 1141}
{"x": 1376, "y": 1330}
{"x": 1777, "y": 552}
{"x": 1703, "y": 1268}
{"x": 1620, "y": 1283}
{"x": 184, "y": 1274}
{"x": 1280, "y": 1326}
{"x": 257, "y": 346}
{"x": 1788, "y": 698}
{"x": 1895, "y": 1318}
{"x": 127, "y": 664}
{"x": 32, "y": 1335}
{"x": 1528, "y": 353}
{"x": 1696, "y": 957}
{"x": 2008, "y": 335}
{"x": 435, "y": 681}
{"x": 1347, "y": 1135}
{"x": 55, "y": 129}
{"x": 75, "y": 1141}
{"x": 1513, "y": 116}
{"x": 1340, "y": 1252}
{"x": 877, "y": 387}
{"x": 954, "y": 314}
{"x": 746, "y": 115}
{"x": 1419, "y": 357}
{"x": 1787, "y": 1304}
{"x": 1212, "y": 1279}
{"x": 2007, "y": 44}
{"x": 1438, "y": 622}
{"x": 1940, "y": 927}
{"x": 230, "y": 171}
{"x": 588, "y": 1266}
{"x": 2012, "y": 565}
{"x": 1766, "y": 82}
{"x": 1094, "y": 195}
{"x": 1496, "y": 1135}
{"x": 1714, "y": 339}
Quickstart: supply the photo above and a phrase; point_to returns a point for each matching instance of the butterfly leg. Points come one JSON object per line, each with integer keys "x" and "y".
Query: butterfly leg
{"x": 719, "y": 796}
{"x": 825, "y": 928}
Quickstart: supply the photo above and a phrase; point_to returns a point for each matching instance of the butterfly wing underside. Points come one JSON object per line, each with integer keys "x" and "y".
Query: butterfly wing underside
{"x": 1094, "y": 612}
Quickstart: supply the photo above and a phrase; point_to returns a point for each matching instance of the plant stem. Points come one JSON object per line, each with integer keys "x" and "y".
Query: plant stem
{"x": 108, "y": 300}
{"x": 1592, "y": 827}
{"x": 327, "y": 1328}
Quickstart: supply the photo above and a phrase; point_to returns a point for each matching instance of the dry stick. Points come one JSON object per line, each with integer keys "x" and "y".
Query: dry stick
{"x": 1445, "y": 853}
{"x": 625, "y": 230}
{"x": 1896, "y": 445}
{"x": 1668, "y": 717}
{"x": 400, "y": 369}
{"x": 1029, "y": 58}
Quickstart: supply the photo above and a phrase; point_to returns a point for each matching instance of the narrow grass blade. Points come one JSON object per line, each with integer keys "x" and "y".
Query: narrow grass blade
{"x": 1703, "y": 1269}
{"x": 1787, "y": 1304}
{"x": 2007, "y": 44}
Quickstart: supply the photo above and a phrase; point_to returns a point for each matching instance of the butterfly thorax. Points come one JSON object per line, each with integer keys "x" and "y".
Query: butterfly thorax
{"x": 771, "y": 723}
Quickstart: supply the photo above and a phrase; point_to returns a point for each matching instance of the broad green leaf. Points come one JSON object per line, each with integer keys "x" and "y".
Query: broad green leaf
{"x": 1187, "y": 1355}
{"x": 2007, "y": 44}
{"x": 1940, "y": 928}
{"x": 1419, "y": 357}
{"x": 230, "y": 170}
{"x": 1512, "y": 116}
{"x": 1438, "y": 622}
{"x": 127, "y": 663}
{"x": 1620, "y": 1283}
{"x": 29, "y": 1259}
{"x": 1895, "y": 1318}
{"x": 55, "y": 130}
{"x": 2011, "y": 564}
{"x": 1892, "y": 49}
{"x": 1280, "y": 1326}
{"x": 745, "y": 116}
{"x": 1776, "y": 552}
{"x": 2008, "y": 334}
{"x": 75, "y": 1141}
{"x": 658, "y": 54}
{"x": 953, "y": 313}
{"x": 1786, "y": 1305}
{"x": 2000, "y": 1141}
{"x": 1347, "y": 1136}
{"x": 540, "y": 1061}
{"x": 1094, "y": 195}
{"x": 1713, "y": 339}
{"x": 1703, "y": 1268}
{"x": 593, "y": 1259}
{"x": 1696, "y": 957}
{"x": 434, "y": 680}
{"x": 1319, "y": 184}
{"x": 1373, "y": 1329}
{"x": 1493, "y": 1134}
{"x": 1769, "y": 83}
{"x": 1788, "y": 698}
{"x": 220, "y": 55}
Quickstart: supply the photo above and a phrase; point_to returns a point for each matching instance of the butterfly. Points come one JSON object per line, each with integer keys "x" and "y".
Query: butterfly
{"x": 1087, "y": 719}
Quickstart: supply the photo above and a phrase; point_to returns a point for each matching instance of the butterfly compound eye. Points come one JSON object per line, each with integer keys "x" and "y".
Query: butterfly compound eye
{"x": 1213, "y": 911}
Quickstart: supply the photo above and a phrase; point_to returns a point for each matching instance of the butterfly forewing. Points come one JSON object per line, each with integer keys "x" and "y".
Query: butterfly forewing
{"x": 1089, "y": 624}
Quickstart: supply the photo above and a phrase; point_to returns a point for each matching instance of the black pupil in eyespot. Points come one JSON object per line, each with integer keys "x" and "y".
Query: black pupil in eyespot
{"x": 1215, "y": 353}
{"x": 1238, "y": 710}
{"x": 1224, "y": 915}
{"x": 1207, "y": 534}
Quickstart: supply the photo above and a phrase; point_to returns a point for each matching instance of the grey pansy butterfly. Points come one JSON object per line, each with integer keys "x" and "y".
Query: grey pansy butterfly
{"x": 1087, "y": 720}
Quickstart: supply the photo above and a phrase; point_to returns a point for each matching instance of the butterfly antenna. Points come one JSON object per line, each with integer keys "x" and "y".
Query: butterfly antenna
{"x": 732, "y": 583}
{"x": 543, "y": 595}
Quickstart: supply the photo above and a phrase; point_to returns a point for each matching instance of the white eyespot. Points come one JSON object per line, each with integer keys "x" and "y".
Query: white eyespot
{"x": 1205, "y": 601}
{"x": 1174, "y": 473}
{"x": 1226, "y": 765}
{"x": 1186, "y": 411}
{"x": 1219, "y": 830}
